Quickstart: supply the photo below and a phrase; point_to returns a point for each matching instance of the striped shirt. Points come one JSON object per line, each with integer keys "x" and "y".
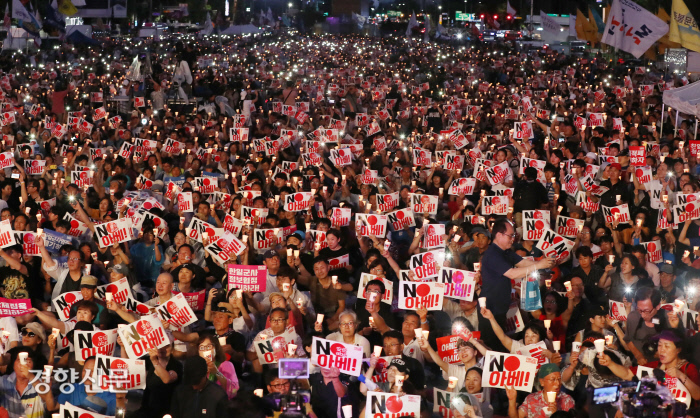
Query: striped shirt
{"x": 28, "y": 404}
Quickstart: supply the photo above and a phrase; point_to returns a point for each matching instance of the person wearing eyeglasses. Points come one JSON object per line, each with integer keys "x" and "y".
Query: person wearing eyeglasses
{"x": 219, "y": 370}
{"x": 277, "y": 388}
{"x": 68, "y": 278}
{"x": 347, "y": 333}
{"x": 281, "y": 335}
{"x": 500, "y": 265}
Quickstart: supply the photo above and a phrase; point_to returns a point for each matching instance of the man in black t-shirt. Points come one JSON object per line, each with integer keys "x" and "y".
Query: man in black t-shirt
{"x": 163, "y": 375}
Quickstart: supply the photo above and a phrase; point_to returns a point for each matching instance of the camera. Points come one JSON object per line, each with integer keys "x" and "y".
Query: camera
{"x": 648, "y": 397}
{"x": 292, "y": 405}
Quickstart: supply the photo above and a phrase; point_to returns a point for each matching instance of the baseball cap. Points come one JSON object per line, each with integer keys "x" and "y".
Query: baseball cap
{"x": 667, "y": 268}
{"x": 617, "y": 166}
{"x": 89, "y": 282}
{"x": 592, "y": 155}
{"x": 37, "y": 329}
{"x": 400, "y": 365}
{"x": 119, "y": 268}
{"x": 547, "y": 369}
{"x": 270, "y": 254}
{"x": 480, "y": 230}
{"x": 194, "y": 370}
{"x": 95, "y": 404}
{"x": 300, "y": 235}
{"x": 596, "y": 310}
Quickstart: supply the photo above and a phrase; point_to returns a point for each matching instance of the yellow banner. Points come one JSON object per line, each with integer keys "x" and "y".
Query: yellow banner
{"x": 684, "y": 27}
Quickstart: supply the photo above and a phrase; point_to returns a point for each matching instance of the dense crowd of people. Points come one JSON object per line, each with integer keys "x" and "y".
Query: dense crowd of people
{"x": 179, "y": 217}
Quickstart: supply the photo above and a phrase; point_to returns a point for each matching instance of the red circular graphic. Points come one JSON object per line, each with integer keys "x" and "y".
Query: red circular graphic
{"x": 458, "y": 277}
{"x": 425, "y": 200}
{"x": 651, "y": 247}
{"x": 144, "y": 328}
{"x": 428, "y": 258}
{"x": 211, "y": 232}
{"x": 28, "y": 239}
{"x": 557, "y": 240}
{"x": 35, "y": 163}
{"x": 149, "y": 183}
{"x": 172, "y": 307}
{"x": 339, "y": 350}
{"x": 74, "y": 224}
{"x": 99, "y": 339}
{"x": 400, "y": 215}
{"x": 83, "y": 175}
{"x": 372, "y": 220}
{"x": 690, "y": 208}
{"x": 206, "y": 182}
{"x": 393, "y": 404}
{"x": 334, "y": 261}
{"x": 298, "y": 197}
{"x": 423, "y": 289}
{"x": 387, "y": 200}
{"x": 533, "y": 163}
{"x": 142, "y": 309}
{"x": 147, "y": 205}
{"x": 118, "y": 364}
{"x": 538, "y": 215}
{"x": 571, "y": 223}
{"x": 112, "y": 228}
{"x": 511, "y": 364}
{"x": 86, "y": 415}
{"x": 690, "y": 198}
{"x": 539, "y": 225}
{"x": 269, "y": 234}
{"x": 639, "y": 172}
{"x": 112, "y": 288}
{"x": 496, "y": 200}
{"x": 156, "y": 221}
{"x": 70, "y": 297}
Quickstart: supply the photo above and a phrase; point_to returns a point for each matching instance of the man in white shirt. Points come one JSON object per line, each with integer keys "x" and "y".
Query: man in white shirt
{"x": 411, "y": 348}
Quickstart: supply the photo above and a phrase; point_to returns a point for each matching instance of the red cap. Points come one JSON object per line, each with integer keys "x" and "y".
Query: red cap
{"x": 616, "y": 165}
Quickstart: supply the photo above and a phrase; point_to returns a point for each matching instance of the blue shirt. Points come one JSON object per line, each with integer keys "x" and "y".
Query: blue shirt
{"x": 495, "y": 287}
{"x": 27, "y": 404}
{"x": 78, "y": 398}
{"x": 146, "y": 267}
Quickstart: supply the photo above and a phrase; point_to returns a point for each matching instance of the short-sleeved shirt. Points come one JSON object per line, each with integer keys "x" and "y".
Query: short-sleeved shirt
{"x": 325, "y": 301}
{"x": 79, "y": 398}
{"x": 27, "y": 404}
{"x": 496, "y": 287}
{"x": 535, "y": 404}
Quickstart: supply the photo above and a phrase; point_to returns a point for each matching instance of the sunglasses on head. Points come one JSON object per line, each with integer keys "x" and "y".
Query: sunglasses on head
{"x": 28, "y": 333}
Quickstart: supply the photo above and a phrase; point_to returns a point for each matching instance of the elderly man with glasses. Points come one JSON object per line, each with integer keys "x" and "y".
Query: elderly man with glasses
{"x": 500, "y": 265}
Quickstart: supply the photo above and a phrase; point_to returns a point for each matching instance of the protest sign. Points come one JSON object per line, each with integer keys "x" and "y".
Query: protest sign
{"x": 371, "y": 225}
{"x": 535, "y": 222}
{"x": 503, "y": 369}
{"x": 427, "y": 265}
{"x": 117, "y": 373}
{"x": 328, "y": 354}
{"x": 428, "y": 295}
{"x": 142, "y": 335}
{"x": 400, "y": 219}
{"x": 14, "y": 307}
{"x": 114, "y": 232}
{"x": 91, "y": 343}
{"x": 271, "y": 349}
{"x": 387, "y": 297}
{"x": 247, "y": 278}
{"x": 177, "y": 311}
{"x": 64, "y": 302}
{"x": 389, "y": 405}
{"x": 459, "y": 284}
